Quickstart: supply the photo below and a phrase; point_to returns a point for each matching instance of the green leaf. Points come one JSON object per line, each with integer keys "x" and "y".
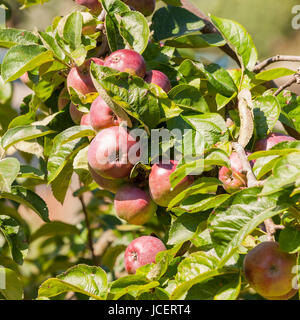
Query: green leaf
{"x": 266, "y": 113}
{"x": 73, "y": 29}
{"x": 15, "y": 237}
{"x": 23, "y": 133}
{"x": 289, "y": 240}
{"x": 29, "y": 199}
{"x": 135, "y": 30}
{"x": 22, "y": 58}
{"x": 169, "y": 22}
{"x": 133, "y": 285}
{"x": 9, "y": 170}
{"x": 186, "y": 227}
{"x": 53, "y": 229}
{"x": 51, "y": 44}
{"x": 237, "y": 217}
{"x": 239, "y": 39}
{"x": 65, "y": 147}
{"x": 87, "y": 280}
{"x": 13, "y": 287}
{"x": 12, "y": 37}
{"x": 285, "y": 173}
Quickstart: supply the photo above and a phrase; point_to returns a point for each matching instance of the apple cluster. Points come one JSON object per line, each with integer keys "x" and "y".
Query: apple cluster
{"x": 113, "y": 152}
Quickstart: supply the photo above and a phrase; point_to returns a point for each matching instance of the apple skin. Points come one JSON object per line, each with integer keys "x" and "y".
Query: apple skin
{"x": 63, "y": 99}
{"x": 26, "y": 80}
{"x": 271, "y": 141}
{"x": 102, "y": 116}
{"x": 160, "y": 186}
{"x": 268, "y": 270}
{"x": 108, "y": 144}
{"x": 158, "y": 78}
{"x": 85, "y": 120}
{"x": 284, "y": 297}
{"x": 79, "y": 78}
{"x": 142, "y": 251}
{"x": 111, "y": 185}
{"x": 93, "y": 5}
{"x": 126, "y": 60}
{"x": 75, "y": 114}
{"x": 134, "y": 205}
{"x": 146, "y": 7}
{"x": 233, "y": 178}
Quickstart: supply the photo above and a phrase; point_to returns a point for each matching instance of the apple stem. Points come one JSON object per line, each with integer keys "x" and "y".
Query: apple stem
{"x": 271, "y": 228}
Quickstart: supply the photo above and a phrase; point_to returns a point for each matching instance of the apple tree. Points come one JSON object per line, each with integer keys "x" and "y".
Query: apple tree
{"x": 109, "y": 82}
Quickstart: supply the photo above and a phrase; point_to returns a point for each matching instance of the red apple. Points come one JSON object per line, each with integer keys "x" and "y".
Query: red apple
{"x": 146, "y": 7}
{"x": 234, "y": 178}
{"x": 134, "y": 205}
{"x": 268, "y": 270}
{"x": 128, "y": 61}
{"x": 160, "y": 186}
{"x": 158, "y": 78}
{"x": 113, "y": 153}
{"x": 75, "y": 114}
{"x": 85, "y": 120}
{"x": 142, "y": 251}
{"x": 271, "y": 141}
{"x": 79, "y": 78}
{"x": 63, "y": 99}
{"x": 111, "y": 185}
{"x": 102, "y": 116}
{"x": 93, "y": 5}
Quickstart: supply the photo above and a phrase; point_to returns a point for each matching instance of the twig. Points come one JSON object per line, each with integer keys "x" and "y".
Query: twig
{"x": 209, "y": 28}
{"x": 294, "y": 79}
{"x": 274, "y": 59}
{"x": 87, "y": 222}
{"x": 246, "y": 115}
{"x": 251, "y": 179}
{"x": 271, "y": 228}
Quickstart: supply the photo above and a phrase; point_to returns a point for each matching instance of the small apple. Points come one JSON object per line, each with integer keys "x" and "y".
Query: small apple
{"x": 271, "y": 141}
{"x": 79, "y": 78}
{"x": 134, "y": 205}
{"x": 126, "y": 60}
{"x": 102, "y": 116}
{"x": 93, "y": 5}
{"x": 234, "y": 178}
{"x": 142, "y": 251}
{"x": 158, "y": 78}
{"x": 85, "y": 120}
{"x": 111, "y": 185}
{"x": 26, "y": 80}
{"x": 160, "y": 186}
{"x": 146, "y": 7}
{"x": 113, "y": 153}
{"x": 268, "y": 270}
{"x": 75, "y": 114}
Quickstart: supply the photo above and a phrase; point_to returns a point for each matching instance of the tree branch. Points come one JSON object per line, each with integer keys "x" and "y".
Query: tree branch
{"x": 274, "y": 59}
{"x": 294, "y": 79}
{"x": 90, "y": 236}
{"x": 209, "y": 28}
{"x": 271, "y": 228}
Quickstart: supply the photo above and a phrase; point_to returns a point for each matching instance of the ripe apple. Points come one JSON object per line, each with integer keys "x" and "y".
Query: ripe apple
{"x": 79, "y": 78}
{"x": 113, "y": 153}
{"x": 158, "y": 78}
{"x": 271, "y": 141}
{"x": 234, "y": 178}
{"x": 126, "y": 60}
{"x": 111, "y": 185}
{"x": 93, "y": 5}
{"x": 134, "y": 205}
{"x": 142, "y": 251}
{"x": 269, "y": 270}
{"x": 160, "y": 185}
{"x": 75, "y": 114}
{"x": 85, "y": 120}
{"x": 63, "y": 99}
{"x": 102, "y": 116}
{"x": 146, "y": 7}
